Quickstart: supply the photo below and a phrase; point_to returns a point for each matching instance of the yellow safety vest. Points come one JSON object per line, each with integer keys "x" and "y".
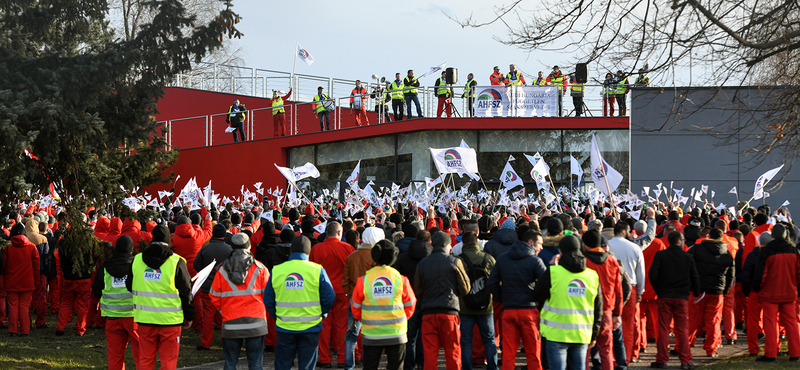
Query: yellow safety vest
{"x": 296, "y": 286}
{"x": 242, "y": 112}
{"x": 469, "y": 91}
{"x": 442, "y": 89}
{"x": 568, "y": 315}
{"x": 397, "y": 90}
{"x": 622, "y": 87}
{"x": 407, "y": 85}
{"x": 577, "y": 89}
{"x": 320, "y": 105}
{"x": 383, "y": 313}
{"x": 275, "y": 103}
{"x": 643, "y": 81}
{"x": 116, "y": 301}
{"x": 515, "y": 79}
{"x": 540, "y": 81}
{"x": 155, "y": 297}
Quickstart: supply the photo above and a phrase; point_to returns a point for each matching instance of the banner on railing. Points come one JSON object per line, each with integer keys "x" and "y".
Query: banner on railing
{"x": 517, "y": 101}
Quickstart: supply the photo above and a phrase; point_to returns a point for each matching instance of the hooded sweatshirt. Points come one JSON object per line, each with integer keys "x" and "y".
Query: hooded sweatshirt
{"x": 514, "y": 277}
{"x": 188, "y": 239}
{"x": 715, "y": 266}
{"x": 154, "y": 256}
{"x": 20, "y": 265}
{"x": 117, "y": 266}
{"x": 114, "y": 231}
{"x": 608, "y": 270}
{"x": 407, "y": 263}
{"x": 501, "y": 242}
{"x": 41, "y": 243}
{"x": 133, "y": 229}
{"x": 101, "y": 227}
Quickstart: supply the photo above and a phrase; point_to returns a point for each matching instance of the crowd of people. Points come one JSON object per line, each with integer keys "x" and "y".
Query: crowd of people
{"x": 478, "y": 280}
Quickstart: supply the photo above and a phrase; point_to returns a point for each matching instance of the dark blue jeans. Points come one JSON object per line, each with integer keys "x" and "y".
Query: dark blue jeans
{"x": 486, "y": 329}
{"x": 415, "y": 99}
{"x": 353, "y": 328}
{"x": 239, "y": 126}
{"x": 326, "y": 116}
{"x": 254, "y": 348}
{"x": 559, "y": 354}
{"x": 304, "y": 346}
{"x": 414, "y": 353}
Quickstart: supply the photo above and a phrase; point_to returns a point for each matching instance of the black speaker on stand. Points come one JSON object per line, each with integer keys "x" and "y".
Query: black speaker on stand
{"x": 581, "y": 73}
{"x": 451, "y": 75}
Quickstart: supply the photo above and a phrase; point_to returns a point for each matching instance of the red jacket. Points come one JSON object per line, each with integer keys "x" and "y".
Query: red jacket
{"x": 188, "y": 239}
{"x": 332, "y": 254}
{"x": 114, "y": 231}
{"x": 20, "y": 265}
{"x": 245, "y": 309}
{"x": 777, "y": 272}
{"x": 133, "y": 229}
{"x": 610, "y": 280}
{"x": 101, "y": 227}
{"x": 649, "y": 253}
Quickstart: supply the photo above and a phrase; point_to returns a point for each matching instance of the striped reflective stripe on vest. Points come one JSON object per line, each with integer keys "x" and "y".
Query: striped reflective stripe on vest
{"x": 140, "y": 293}
{"x": 383, "y": 322}
{"x": 254, "y": 325}
{"x": 567, "y": 311}
{"x": 561, "y": 325}
{"x": 118, "y": 296}
{"x": 235, "y": 292}
{"x": 157, "y": 309}
{"x": 122, "y": 307}
{"x": 300, "y": 318}
{"x": 297, "y": 304}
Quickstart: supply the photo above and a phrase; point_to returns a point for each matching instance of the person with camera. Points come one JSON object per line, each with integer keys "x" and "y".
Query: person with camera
{"x": 320, "y": 110}
{"x": 443, "y": 93}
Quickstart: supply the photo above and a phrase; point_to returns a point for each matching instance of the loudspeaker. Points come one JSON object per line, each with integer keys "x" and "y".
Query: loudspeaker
{"x": 581, "y": 73}
{"x": 451, "y": 76}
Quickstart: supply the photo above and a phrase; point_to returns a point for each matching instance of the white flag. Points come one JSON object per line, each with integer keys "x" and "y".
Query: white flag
{"x": 202, "y": 275}
{"x": 510, "y": 157}
{"x": 354, "y": 175}
{"x": 509, "y": 177}
{"x": 304, "y": 55}
{"x": 455, "y": 160}
{"x": 785, "y": 204}
{"x": 704, "y": 188}
{"x": 304, "y": 171}
{"x": 321, "y": 227}
{"x": 762, "y": 181}
{"x": 434, "y": 69}
{"x": 602, "y": 172}
{"x": 575, "y": 168}
{"x": 732, "y": 191}
{"x": 287, "y": 173}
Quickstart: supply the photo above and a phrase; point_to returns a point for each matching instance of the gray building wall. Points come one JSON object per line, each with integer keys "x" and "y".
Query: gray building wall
{"x": 688, "y": 135}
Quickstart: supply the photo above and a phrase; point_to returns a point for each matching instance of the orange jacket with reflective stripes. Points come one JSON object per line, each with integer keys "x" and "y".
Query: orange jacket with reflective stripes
{"x": 242, "y": 305}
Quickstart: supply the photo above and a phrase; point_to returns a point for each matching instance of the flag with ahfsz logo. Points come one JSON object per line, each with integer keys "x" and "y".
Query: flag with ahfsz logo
{"x": 455, "y": 160}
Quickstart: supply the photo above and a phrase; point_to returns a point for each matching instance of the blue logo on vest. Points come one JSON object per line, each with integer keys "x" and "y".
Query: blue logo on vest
{"x": 382, "y": 288}
{"x": 576, "y": 288}
{"x": 294, "y": 281}
{"x": 151, "y": 274}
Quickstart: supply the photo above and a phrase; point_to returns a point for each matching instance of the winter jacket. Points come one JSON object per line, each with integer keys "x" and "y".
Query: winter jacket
{"x": 154, "y": 256}
{"x": 278, "y": 255}
{"x": 655, "y": 246}
{"x": 267, "y": 242}
{"x": 550, "y": 248}
{"x": 117, "y": 266}
{"x": 356, "y": 266}
{"x": 575, "y": 265}
{"x": 133, "y": 229}
{"x": 715, "y": 266}
{"x": 610, "y": 275}
{"x": 114, "y": 231}
{"x": 748, "y": 270}
{"x": 41, "y": 243}
{"x": 777, "y": 272}
{"x": 407, "y": 263}
{"x": 20, "y": 265}
{"x": 673, "y": 274}
{"x": 217, "y": 250}
{"x": 439, "y": 281}
{"x": 404, "y": 243}
{"x": 66, "y": 257}
{"x": 501, "y": 242}
{"x": 243, "y": 315}
{"x": 332, "y": 254}
{"x": 476, "y": 256}
{"x": 515, "y": 276}
{"x": 101, "y": 227}
{"x": 188, "y": 239}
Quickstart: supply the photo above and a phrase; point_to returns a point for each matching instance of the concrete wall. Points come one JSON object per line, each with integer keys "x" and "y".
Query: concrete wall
{"x": 689, "y": 136}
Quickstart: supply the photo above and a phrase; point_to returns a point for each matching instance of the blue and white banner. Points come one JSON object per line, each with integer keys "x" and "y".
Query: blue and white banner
{"x": 517, "y": 101}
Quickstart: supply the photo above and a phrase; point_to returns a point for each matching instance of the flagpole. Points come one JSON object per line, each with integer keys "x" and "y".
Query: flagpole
{"x": 558, "y": 204}
{"x": 306, "y": 198}
{"x": 605, "y": 177}
{"x": 294, "y": 65}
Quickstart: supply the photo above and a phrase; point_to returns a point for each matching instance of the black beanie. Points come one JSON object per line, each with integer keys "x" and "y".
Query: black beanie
{"x": 570, "y": 245}
{"x": 554, "y": 227}
{"x": 287, "y": 234}
{"x": 779, "y": 232}
{"x": 384, "y": 253}
{"x": 219, "y": 231}
{"x": 17, "y": 229}
{"x": 124, "y": 245}
{"x": 301, "y": 244}
{"x": 161, "y": 234}
{"x": 591, "y": 238}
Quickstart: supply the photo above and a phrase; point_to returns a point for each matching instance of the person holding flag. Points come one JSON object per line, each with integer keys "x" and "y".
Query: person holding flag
{"x": 278, "y": 113}
{"x": 410, "y": 84}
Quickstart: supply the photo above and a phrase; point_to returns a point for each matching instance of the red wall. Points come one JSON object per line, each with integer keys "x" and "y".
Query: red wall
{"x": 230, "y": 166}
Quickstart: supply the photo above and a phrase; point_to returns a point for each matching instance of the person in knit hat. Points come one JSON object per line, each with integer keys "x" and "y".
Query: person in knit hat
{"x": 383, "y": 330}
{"x": 215, "y": 251}
{"x": 237, "y": 293}
{"x": 162, "y": 299}
{"x": 116, "y": 304}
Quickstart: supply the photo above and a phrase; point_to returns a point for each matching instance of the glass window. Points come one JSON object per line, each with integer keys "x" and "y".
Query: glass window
{"x": 497, "y": 146}
{"x": 301, "y": 155}
{"x": 336, "y": 161}
{"x": 614, "y": 146}
{"x": 414, "y": 157}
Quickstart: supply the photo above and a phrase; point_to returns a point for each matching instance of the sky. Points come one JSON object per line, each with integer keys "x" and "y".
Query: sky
{"x": 355, "y": 39}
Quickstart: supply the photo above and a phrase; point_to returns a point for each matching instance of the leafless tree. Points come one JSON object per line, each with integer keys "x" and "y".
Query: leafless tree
{"x": 739, "y": 42}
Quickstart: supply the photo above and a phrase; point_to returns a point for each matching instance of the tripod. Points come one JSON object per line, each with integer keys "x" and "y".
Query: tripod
{"x": 450, "y": 105}
{"x": 585, "y": 109}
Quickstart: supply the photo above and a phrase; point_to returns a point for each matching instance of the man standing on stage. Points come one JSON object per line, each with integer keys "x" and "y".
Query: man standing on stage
{"x": 358, "y": 99}
{"x": 278, "y": 113}
{"x": 411, "y": 84}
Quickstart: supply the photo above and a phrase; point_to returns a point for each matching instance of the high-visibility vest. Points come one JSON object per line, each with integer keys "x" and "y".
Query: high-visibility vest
{"x": 540, "y": 81}
{"x": 397, "y": 89}
{"x": 242, "y": 306}
{"x": 557, "y": 79}
{"x": 383, "y": 313}
{"x": 380, "y": 97}
{"x": 296, "y": 285}
{"x": 643, "y": 81}
{"x": 116, "y": 301}
{"x": 577, "y": 89}
{"x": 319, "y": 106}
{"x": 277, "y": 102}
{"x": 155, "y": 297}
{"x": 242, "y": 111}
{"x": 515, "y": 79}
{"x": 407, "y": 83}
{"x": 469, "y": 90}
{"x": 622, "y": 86}
{"x": 442, "y": 89}
{"x": 568, "y": 315}
{"x": 496, "y": 79}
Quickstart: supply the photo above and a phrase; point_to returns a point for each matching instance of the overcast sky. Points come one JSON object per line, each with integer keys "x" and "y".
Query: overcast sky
{"x": 354, "y": 39}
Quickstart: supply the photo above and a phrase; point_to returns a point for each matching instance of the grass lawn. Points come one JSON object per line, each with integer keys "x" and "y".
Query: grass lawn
{"x": 43, "y": 350}
{"x": 747, "y": 362}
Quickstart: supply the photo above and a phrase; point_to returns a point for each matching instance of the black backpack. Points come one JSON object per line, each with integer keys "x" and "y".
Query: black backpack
{"x": 479, "y": 297}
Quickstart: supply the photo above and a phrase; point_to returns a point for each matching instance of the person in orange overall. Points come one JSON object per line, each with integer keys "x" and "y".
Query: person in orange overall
{"x": 358, "y": 102}
{"x": 21, "y": 277}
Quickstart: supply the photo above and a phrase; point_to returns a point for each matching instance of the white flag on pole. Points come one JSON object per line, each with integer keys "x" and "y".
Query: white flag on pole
{"x": 762, "y": 181}
{"x": 732, "y": 191}
{"x": 202, "y": 275}
{"x": 575, "y": 168}
{"x": 455, "y": 160}
{"x": 304, "y": 171}
{"x": 434, "y": 69}
{"x": 287, "y": 173}
{"x": 354, "y": 175}
{"x": 509, "y": 177}
{"x": 304, "y": 55}
{"x": 321, "y": 227}
{"x": 602, "y": 172}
